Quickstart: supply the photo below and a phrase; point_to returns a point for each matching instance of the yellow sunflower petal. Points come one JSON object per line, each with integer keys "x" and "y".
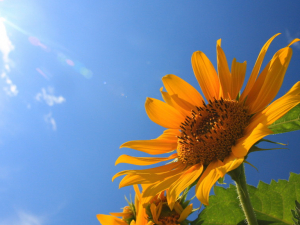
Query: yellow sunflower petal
{"x": 182, "y": 89}
{"x": 182, "y": 106}
{"x": 186, "y": 212}
{"x": 230, "y": 163}
{"x": 158, "y": 210}
{"x": 166, "y": 97}
{"x": 266, "y": 77}
{"x": 165, "y": 143}
{"x": 207, "y": 180}
{"x": 138, "y": 196}
{"x": 131, "y": 179}
{"x": 140, "y": 210}
{"x": 152, "y": 171}
{"x": 160, "y": 186}
{"x": 110, "y": 220}
{"x": 178, "y": 208}
{"x": 143, "y": 161}
{"x": 273, "y": 80}
{"x": 294, "y": 41}
{"x": 238, "y": 72}
{"x": 251, "y": 137}
{"x": 170, "y": 134}
{"x": 120, "y": 214}
{"x": 142, "y": 178}
{"x": 158, "y": 170}
{"x": 254, "y": 92}
{"x": 155, "y": 170}
{"x": 206, "y": 75}
{"x": 153, "y": 212}
{"x": 282, "y": 105}
{"x": 141, "y": 219}
{"x": 152, "y": 147}
{"x": 256, "y": 68}
{"x": 223, "y": 71}
{"x": 163, "y": 114}
{"x": 279, "y": 107}
{"x": 186, "y": 179}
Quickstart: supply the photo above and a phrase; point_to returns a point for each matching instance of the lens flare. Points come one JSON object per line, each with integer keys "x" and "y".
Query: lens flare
{"x": 42, "y": 73}
{"x": 60, "y": 56}
{"x": 76, "y": 65}
{"x": 70, "y": 62}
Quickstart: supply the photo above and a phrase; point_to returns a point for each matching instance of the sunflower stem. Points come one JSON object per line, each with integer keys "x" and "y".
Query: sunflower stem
{"x": 238, "y": 175}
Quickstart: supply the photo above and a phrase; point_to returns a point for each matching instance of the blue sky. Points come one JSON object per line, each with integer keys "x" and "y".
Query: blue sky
{"x": 74, "y": 79}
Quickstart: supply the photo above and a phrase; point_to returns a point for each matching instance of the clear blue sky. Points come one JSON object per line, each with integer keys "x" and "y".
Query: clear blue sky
{"x": 74, "y": 79}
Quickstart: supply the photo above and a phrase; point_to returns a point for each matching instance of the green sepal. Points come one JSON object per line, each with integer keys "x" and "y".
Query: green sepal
{"x": 289, "y": 122}
{"x": 221, "y": 180}
{"x": 132, "y": 207}
{"x": 257, "y": 149}
{"x": 250, "y": 164}
{"x": 196, "y": 209}
{"x": 266, "y": 140}
{"x": 182, "y": 199}
{"x": 238, "y": 96}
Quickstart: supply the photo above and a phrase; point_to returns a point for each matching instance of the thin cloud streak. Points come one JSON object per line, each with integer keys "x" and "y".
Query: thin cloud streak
{"x": 49, "y": 119}
{"x": 12, "y": 89}
{"x": 50, "y": 99}
{"x": 23, "y": 219}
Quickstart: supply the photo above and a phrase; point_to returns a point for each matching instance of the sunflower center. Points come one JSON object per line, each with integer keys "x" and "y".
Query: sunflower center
{"x": 211, "y": 131}
{"x": 168, "y": 217}
{"x": 169, "y": 220}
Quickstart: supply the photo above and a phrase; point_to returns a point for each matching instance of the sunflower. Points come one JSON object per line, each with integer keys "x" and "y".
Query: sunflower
{"x": 133, "y": 214}
{"x": 159, "y": 213}
{"x": 212, "y": 137}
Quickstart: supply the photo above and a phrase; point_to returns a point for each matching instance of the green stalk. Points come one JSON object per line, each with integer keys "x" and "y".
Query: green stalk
{"x": 238, "y": 175}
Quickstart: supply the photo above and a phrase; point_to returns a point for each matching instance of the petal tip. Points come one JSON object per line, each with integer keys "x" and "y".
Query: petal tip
{"x": 124, "y": 145}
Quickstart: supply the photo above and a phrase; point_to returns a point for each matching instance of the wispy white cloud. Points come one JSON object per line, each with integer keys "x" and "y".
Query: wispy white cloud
{"x": 6, "y": 47}
{"x": 11, "y": 89}
{"x": 292, "y": 37}
{"x": 23, "y": 218}
{"x": 49, "y": 97}
{"x": 49, "y": 119}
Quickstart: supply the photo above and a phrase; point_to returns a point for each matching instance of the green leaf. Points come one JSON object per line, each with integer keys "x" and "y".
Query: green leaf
{"x": 289, "y": 122}
{"x": 272, "y": 204}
